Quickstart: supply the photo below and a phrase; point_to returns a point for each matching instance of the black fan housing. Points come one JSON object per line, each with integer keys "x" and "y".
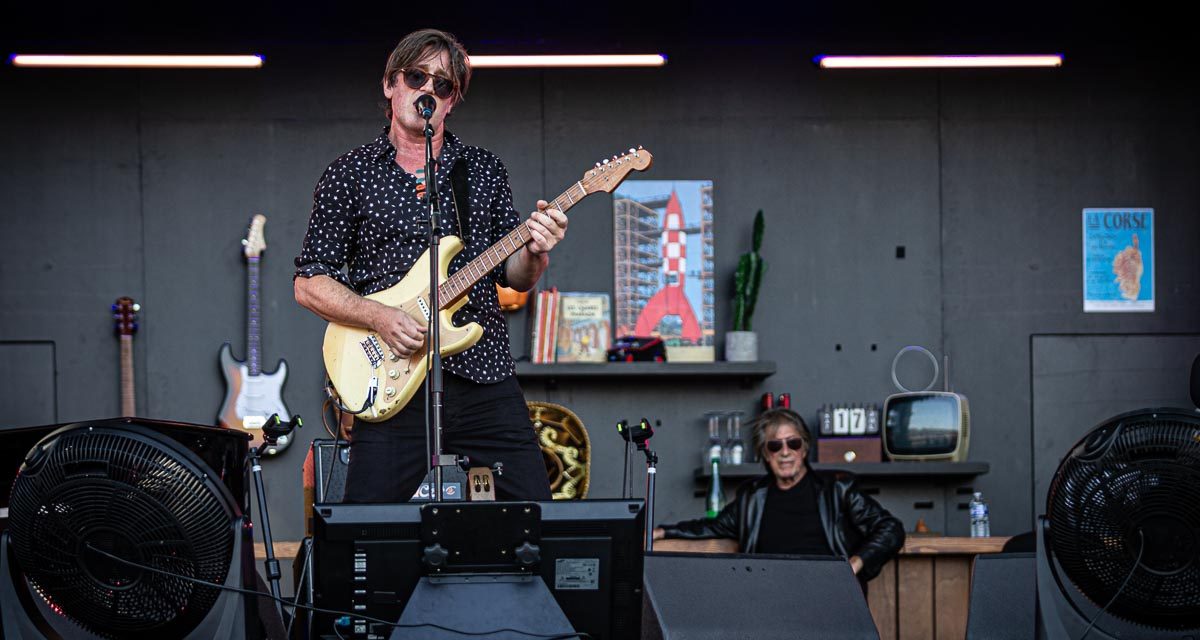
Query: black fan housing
{"x": 135, "y": 494}
{"x": 1131, "y": 485}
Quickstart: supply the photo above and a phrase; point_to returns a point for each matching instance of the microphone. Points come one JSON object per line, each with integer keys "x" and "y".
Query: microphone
{"x": 425, "y": 105}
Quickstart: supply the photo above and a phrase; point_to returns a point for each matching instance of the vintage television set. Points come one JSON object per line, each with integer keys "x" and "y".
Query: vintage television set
{"x": 926, "y": 425}
{"x": 367, "y": 559}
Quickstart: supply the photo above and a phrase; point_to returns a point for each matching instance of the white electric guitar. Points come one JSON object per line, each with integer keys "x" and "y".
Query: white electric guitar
{"x": 252, "y": 396}
{"x": 375, "y": 383}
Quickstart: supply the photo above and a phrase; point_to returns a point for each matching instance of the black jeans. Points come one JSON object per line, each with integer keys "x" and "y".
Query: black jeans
{"x": 489, "y": 423}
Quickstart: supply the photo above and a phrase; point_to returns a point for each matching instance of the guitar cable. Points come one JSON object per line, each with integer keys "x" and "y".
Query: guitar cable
{"x": 372, "y": 392}
{"x": 284, "y": 602}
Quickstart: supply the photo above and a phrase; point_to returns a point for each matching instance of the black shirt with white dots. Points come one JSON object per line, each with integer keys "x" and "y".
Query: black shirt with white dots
{"x": 367, "y": 218}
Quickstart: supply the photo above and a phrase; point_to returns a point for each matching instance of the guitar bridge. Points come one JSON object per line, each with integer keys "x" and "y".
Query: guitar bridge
{"x": 373, "y": 349}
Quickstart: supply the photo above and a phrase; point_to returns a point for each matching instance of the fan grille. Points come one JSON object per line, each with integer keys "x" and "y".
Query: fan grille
{"x": 134, "y": 495}
{"x": 1133, "y": 483}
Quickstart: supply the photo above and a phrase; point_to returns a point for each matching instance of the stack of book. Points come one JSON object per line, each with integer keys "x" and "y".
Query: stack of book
{"x": 570, "y": 327}
{"x": 545, "y": 326}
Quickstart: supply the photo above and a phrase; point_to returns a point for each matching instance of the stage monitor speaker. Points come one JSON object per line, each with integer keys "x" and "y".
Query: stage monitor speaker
{"x": 1003, "y": 597}
{"x": 330, "y": 462}
{"x": 724, "y": 597}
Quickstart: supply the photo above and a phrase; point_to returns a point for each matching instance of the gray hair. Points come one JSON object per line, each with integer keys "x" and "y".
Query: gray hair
{"x": 769, "y": 421}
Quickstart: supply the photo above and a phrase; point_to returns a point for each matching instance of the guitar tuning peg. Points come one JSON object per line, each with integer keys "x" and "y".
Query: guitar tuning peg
{"x": 632, "y": 150}
{"x": 606, "y": 161}
{"x": 639, "y": 147}
{"x": 597, "y": 165}
{"x": 137, "y": 307}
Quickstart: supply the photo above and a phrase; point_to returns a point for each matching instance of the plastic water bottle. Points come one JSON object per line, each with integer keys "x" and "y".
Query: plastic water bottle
{"x": 980, "y": 527}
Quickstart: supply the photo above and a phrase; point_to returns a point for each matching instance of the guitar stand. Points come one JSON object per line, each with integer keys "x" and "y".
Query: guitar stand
{"x": 272, "y": 431}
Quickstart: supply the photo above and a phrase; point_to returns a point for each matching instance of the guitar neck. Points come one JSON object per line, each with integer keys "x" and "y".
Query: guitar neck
{"x": 458, "y": 284}
{"x": 253, "y": 335}
{"x": 128, "y": 402}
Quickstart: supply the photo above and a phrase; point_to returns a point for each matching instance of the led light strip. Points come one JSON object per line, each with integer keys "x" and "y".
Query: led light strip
{"x": 938, "y": 62}
{"x": 137, "y": 61}
{"x": 646, "y": 60}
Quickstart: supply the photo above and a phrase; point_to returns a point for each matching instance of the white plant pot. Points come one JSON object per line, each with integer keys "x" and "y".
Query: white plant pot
{"x": 741, "y": 346}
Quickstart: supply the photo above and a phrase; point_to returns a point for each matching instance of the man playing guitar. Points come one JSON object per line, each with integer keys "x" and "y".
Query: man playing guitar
{"x": 370, "y": 217}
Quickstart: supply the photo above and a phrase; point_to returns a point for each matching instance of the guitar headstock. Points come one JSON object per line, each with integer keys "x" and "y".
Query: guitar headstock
{"x": 610, "y": 172}
{"x": 125, "y": 312}
{"x": 255, "y": 241}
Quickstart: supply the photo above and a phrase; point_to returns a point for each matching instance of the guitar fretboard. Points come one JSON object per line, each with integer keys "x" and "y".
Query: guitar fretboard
{"x": 462, "y": 280}
{"x": 128, "y": 402}
{"x": 253, "y": 337}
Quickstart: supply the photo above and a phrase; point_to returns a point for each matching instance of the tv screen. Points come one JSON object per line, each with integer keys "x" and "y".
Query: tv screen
{"x": 367, "y": 560}
{"x": 925, "y": 425}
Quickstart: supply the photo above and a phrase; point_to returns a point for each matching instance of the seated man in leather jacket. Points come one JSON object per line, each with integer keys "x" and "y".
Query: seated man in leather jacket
{"x": 797, "y": 510}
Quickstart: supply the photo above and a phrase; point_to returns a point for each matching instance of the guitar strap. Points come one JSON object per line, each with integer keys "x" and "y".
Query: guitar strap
{"x": 458, "y": 184}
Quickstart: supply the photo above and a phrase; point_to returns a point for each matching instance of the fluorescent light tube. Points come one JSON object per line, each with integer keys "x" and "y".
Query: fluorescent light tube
{"x": 138, "y": 61}
{"x": 938, "y": 62}
{"x": 647, "y": 60}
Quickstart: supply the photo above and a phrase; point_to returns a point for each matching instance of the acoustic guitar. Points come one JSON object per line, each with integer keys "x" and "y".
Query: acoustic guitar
{"x": 125, "y": 324}
{"x": 374, "y": 382}
{"x": 251, "y": 394}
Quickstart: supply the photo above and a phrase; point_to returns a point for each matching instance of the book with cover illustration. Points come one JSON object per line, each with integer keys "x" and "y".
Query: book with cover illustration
{"x": 584, "y": 327}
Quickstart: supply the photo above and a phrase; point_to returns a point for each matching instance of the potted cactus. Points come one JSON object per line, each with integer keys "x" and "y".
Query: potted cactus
{"x": 741, "y": 344}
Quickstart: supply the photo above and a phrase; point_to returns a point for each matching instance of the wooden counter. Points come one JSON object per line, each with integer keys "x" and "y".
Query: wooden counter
{"x": 925, "y": 593}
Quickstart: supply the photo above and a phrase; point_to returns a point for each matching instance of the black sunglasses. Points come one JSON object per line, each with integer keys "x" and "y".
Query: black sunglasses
{"x": 443, "y": 88}
{"x": 775, "y": 446}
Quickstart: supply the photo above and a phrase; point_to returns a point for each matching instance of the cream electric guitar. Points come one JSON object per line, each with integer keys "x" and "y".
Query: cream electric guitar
{"x": 374, "y": 382}
{"x": 252, "y": 395}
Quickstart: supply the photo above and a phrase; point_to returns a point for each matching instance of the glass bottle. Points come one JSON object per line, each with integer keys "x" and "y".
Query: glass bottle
{"x": 713, "y": 446}
{"x": 737, "y": 448}
{"x": 716, "y": 496}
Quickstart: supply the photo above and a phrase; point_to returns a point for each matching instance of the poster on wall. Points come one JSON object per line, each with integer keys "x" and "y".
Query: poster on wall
{"x": 1118, "y": 260}
{"x": 663, "y": 265}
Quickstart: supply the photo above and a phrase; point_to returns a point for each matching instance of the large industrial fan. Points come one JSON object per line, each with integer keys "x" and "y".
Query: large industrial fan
{"x": 112, "y": 530}
{"x": 1119, "y": 548}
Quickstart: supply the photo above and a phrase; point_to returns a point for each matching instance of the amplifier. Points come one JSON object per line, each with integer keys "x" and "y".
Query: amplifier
{"x": 324, "y": 475}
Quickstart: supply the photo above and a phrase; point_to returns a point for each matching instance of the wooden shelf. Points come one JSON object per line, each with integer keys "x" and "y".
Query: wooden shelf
{"x": 551, "y": 374}
{"x": 867, "y": 469}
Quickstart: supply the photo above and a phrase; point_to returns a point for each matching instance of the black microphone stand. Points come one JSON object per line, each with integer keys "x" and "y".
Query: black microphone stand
{"x": 434, "y": 335}
{"x": 640, "y": 436}
{"x": 271, "y": 432}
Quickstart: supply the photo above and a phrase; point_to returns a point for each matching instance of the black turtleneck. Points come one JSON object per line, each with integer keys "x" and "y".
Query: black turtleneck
{"x": 791, "y": 522}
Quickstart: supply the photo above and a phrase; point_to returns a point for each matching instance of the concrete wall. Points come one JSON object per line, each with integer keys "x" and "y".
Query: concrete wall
{"x": 141, "y": 183}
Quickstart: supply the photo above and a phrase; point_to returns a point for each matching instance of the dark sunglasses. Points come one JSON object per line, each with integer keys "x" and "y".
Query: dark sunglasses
{"x": 775, "y": 446}
{"x": 443, "y": 88}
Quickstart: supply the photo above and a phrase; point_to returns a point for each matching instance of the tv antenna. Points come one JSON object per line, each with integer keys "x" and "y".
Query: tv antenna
{"x": 936, "y": 371}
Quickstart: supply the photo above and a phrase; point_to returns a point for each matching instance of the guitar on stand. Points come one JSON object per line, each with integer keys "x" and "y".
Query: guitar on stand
{"x": 374, "y": 383}
{"x": 251, "y": 395}
{"x": 125, "y": 324}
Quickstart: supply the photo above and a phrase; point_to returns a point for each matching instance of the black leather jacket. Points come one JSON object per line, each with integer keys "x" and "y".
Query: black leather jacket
{"x": 854, "y": 523}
